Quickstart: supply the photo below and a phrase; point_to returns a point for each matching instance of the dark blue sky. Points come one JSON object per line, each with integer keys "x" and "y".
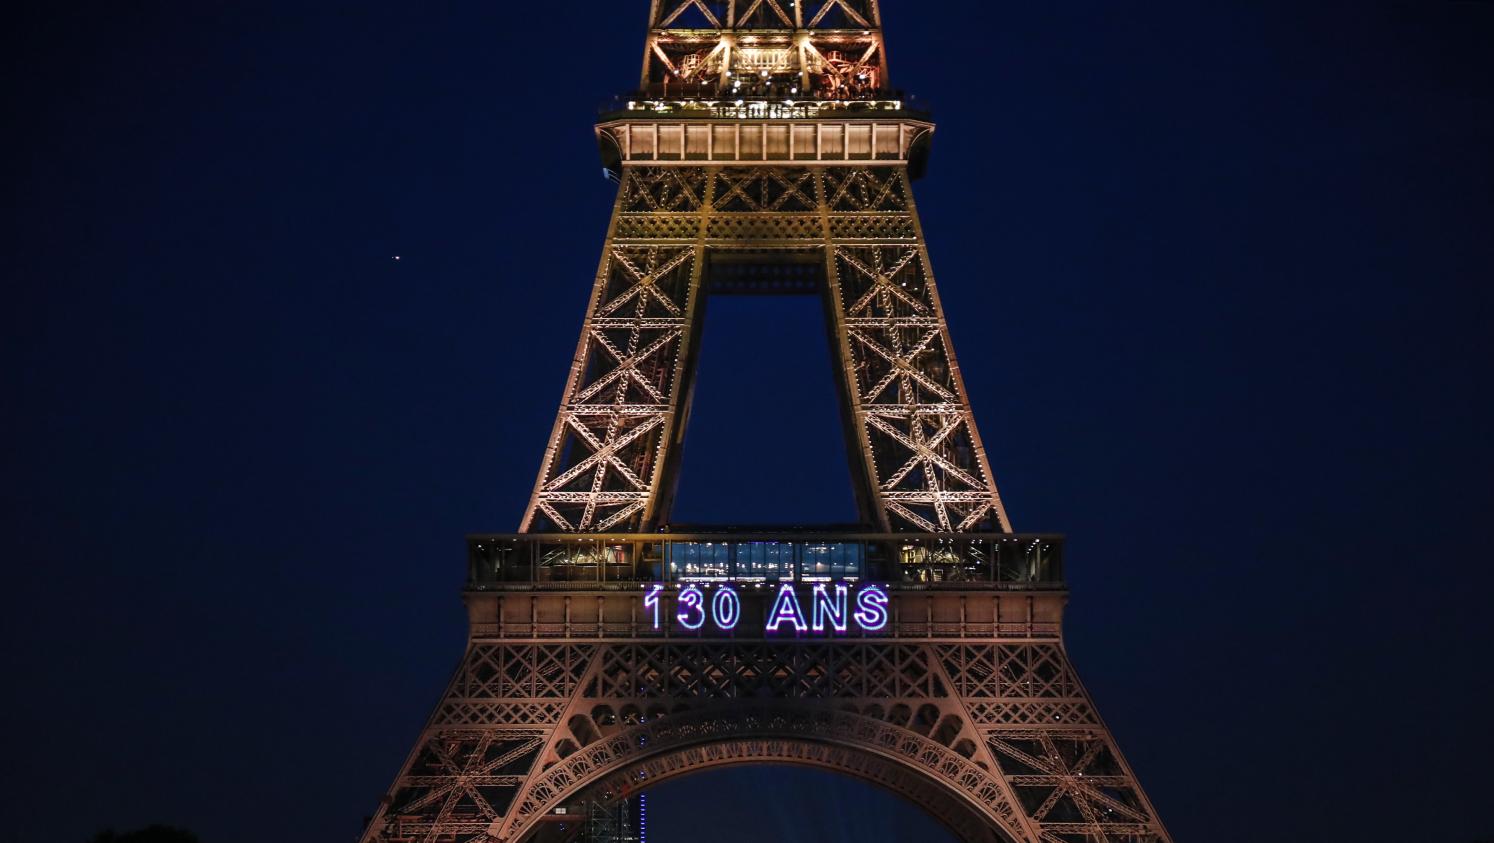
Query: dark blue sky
{"x": 1218, "y": 276}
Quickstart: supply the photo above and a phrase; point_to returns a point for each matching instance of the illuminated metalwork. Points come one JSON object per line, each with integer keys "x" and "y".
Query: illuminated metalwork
{"x": 965, "y": 703}
{"x": 764, "y": 134}
{"x": 765, "y": 152}
{"x": 614, "y": 449}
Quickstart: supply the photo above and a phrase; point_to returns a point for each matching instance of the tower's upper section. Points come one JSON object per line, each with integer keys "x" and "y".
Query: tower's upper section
{"x": 744, "y": 82}
{"x": 817, "y": 50}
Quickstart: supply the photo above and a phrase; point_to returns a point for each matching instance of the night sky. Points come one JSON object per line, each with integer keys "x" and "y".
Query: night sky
{"x": 1217, "y": 273}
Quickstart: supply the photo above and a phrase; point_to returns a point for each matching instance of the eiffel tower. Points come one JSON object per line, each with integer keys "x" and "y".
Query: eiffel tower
{"x": 765, "y": 152}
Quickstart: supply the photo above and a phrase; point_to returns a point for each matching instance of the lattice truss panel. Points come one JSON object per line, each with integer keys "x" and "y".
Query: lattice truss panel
{"x": 610, "y": 452}
{"x": 1073, "y": 786}
{"x": 1053, "y": 751}
{"x": 919, "y": 429}
{"x": 785, "y": 671}
{"x": 765, "y": 14}
{"x": 834, "y": 47}
{"x": 601, "y": 467}
{"x": 1003, "y": 729}
{"x": 482, "y": 742}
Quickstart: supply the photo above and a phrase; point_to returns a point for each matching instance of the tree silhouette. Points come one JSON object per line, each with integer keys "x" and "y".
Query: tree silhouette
{"x": 149, "y": 834}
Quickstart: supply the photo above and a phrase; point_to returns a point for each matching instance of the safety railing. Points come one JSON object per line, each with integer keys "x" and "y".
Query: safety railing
{"x": 732, "y": 107}
{"x": 620, "y": 560}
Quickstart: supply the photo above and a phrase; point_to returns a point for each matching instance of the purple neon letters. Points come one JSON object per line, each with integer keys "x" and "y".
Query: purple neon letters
{"x": 834, "y": 608}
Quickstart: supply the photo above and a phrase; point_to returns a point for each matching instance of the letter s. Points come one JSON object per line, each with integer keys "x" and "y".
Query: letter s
{"x": 871, "y": 608}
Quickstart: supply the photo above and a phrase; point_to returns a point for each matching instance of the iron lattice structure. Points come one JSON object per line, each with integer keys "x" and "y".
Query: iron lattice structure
{"x": 764, "y": 152}
{"x": 967, "y": 706}
{"x": 849, "y": 233}
{"x": 787, "y": 156}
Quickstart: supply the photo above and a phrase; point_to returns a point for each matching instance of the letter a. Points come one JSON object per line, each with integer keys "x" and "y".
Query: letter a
{"x": 786, "y": 608}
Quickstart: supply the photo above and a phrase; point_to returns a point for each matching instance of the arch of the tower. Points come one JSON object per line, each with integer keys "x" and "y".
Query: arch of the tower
{"x": 958, "y": 792}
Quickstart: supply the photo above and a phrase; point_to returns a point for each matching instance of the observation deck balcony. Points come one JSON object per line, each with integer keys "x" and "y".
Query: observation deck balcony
{"x": 730, "y": 106}
{"x": 766, "y": 130}
{"x": 623, "y": 561}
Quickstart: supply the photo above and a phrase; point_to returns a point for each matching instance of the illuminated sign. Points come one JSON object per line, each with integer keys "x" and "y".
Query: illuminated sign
{"x": 833, "y": 608}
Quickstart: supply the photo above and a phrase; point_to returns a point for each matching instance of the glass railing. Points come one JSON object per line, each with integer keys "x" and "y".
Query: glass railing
{"x": 932, "y": 560}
